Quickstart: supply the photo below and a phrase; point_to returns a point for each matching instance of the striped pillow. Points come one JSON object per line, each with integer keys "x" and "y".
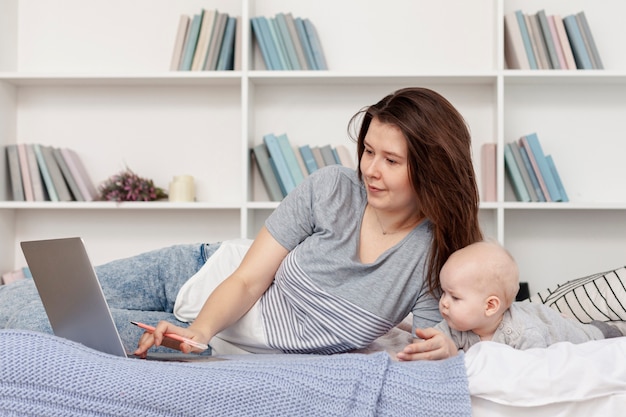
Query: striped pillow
{"x": 595, "y": 297}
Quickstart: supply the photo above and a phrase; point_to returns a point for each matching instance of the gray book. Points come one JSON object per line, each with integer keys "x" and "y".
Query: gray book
{"x": 590, "y": 44}
{"x": 61, "y": 188}
{"x": 327, "y": 154}
{"x": 17, "y": 187}
{"x": 547, "y": 37}
{"x": 262, "y": 158}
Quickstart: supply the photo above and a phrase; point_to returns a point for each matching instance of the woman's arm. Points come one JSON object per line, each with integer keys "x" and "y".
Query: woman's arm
{"x": 231, "y": 299}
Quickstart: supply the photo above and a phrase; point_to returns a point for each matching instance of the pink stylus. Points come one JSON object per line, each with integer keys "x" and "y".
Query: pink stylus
{"x": 190, "y": 342}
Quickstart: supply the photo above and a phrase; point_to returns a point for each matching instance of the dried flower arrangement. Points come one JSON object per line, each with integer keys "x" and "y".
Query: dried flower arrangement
{"x": 128, "y": 186}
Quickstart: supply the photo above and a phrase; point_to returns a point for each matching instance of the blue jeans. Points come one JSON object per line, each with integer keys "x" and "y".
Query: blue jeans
{"x": 139, "y": 288}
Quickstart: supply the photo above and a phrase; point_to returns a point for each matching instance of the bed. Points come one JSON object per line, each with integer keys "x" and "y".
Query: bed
{"x": 41, "y": 374}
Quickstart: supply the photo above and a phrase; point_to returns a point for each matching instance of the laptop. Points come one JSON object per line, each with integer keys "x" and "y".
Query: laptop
{"x": 73, "y": 299}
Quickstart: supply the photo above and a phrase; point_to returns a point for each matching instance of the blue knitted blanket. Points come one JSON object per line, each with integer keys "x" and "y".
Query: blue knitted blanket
{"x": 43, "y": 375}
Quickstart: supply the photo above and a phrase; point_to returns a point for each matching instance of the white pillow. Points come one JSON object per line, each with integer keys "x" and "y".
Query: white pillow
{"x": 595, "y": 297}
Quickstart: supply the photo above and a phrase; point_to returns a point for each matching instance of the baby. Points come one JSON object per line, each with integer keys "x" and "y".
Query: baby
{"x": 479, "y": 284}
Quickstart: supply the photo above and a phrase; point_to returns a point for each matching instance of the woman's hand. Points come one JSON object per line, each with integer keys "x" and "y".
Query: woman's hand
{"x": 432, "y": 345}
{"x": 158, "y": 338}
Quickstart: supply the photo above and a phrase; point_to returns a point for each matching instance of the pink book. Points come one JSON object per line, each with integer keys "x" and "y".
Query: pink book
{"x": 557, "y": 43}
{"x": 544, "y": 188}
{"x": 564, "y": 41}
{"x": 488, "y": 171}
{"x": 26, "y": 181}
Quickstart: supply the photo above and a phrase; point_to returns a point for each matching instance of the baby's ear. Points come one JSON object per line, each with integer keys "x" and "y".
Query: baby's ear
{"x": 492, "y": 305}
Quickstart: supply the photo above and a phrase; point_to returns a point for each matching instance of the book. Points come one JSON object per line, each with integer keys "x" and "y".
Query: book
{"x": 39, "y": 189}
{"x": 295, "y": 39}
{"x": 537, "y": 42}
{"x": 514, "y": 50}
{"x": 67, "y": 175}
{"x": 287, "y": 41}
{"x": 530, "y": 54}
{"x": 316, "y": 45}
{"x": 179, "y": 42}
{"x": 204, "y": 37}
{"x": 237, "y": 55}
{"x": 291, "y": 159}
{"x": 80, "y": 174}
{"x": 45, "y": 173}
{"x": 280, "y": 163}
{"x": 557, "y": 178}
{"x": 274, "y": 62}
{"x": 285, "y": 64}
{"x": 535, "y": 150}
{"x": 488, "y": 171}
{"x": 558, "y": 48}
{"x": 327, "y": 155}
{"x": 590, "y": 43}
{"x": 259, "y": 36}
{"x": 568, "y": 55}
{"x": 303, "y": 169}
{"x": 345, "y": 157}
{"x": 210, "y": 64}
{"x": 517, "y": 155}
{"x": 308, "y": 158}
{"x": 515, "y": 176}
{"x": 225, "y": 61}
{"x": 15, "y": 175}
{"x": 262, "y": 159}
{"x": 531, "y": 173}
{"x": 27, "y": 183}
{"x": 583, "y": 61}
{"x": 304, "y": 42}
{"x": 547, "y": 38}
{"x": 60, "y": 186}
{"x": 191, "y": 42}
{"x": 317, "y": 154}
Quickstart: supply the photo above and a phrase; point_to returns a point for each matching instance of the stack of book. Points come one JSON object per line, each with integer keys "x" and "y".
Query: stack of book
{"x": 541, "y": 41}
{"x": 45, "y": 173}
{"x": 207, "y": 41}
{"x": 532, "y": 173}
{"x": 283, "y": 166}
{"x": 288, "y": 43}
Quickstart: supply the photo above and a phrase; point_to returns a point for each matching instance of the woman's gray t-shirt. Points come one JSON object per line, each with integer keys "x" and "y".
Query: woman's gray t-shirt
{"x": 324, "y": 299}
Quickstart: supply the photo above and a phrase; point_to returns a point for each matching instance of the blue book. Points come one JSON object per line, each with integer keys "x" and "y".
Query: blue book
{"x": 531, "y": 174}
{"x": 316, "y": 45}
{"x": 532, "y": 62}
{"x": 290, "y": 157}
{"x": 190, "y": 43}
{"x": 309, "y": 159}
{"x": 278, "y": 44}
{"x": 260, "y": 38}
{"x": 515, "y": 175}
{"x": 557, "y": 178}
{"x": 304, "y": 42}
{"x": 225, "y": 60}
{"x": 272, "y": 48}
{"x": 280, "y": 163}
{"x": 336, "y": 156}
{"x": 581, "y": 56}
{"x": 45, "y": 173}
{"x": 290, "y": 49}
{"x": 544, "y": 169}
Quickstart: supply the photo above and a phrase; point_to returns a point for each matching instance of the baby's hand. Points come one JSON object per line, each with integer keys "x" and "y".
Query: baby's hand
{"x": 433, "y": 345}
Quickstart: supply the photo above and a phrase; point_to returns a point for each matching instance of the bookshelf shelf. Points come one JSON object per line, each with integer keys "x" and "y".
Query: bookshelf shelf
{"x": 109, "y": 95}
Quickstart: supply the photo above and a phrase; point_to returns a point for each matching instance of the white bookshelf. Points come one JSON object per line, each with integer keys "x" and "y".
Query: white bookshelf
{"x": 93, "y": 75}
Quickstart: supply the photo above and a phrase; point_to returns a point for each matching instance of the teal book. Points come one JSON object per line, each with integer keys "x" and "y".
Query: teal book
{"x": 191, "y": 42}
{"x": 531, "y": 173}
{"x": 290, "y": 157}
{"x": 45, "y": 174}
{"x": 316, "y": 45}
{"x": 39, "y": 188}
{"x": 262, "y": 158}
{"x": 304, "y": 42}
{"x": 557, "y": 178}
{"x": 309, "y": 159}
{"x": 60, "y": 186}
{"x": 541, "y": 164}
{"x": 532, "y": 62}
{"x": 581, "y": 56}
{"x": 515, "y": 176}
{"x": 285, "y": 64}
{"x": 226, "y": 58}
{"x": 272, "y": 48}
{"x": 517, "y": 154}
{"x": 285, "y": 35}
{"x": 260, "y": 39}
{"x": 280, "y": 163}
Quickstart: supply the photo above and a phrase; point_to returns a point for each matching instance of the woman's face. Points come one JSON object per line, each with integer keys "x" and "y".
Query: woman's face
{"x": 385, "y": 170}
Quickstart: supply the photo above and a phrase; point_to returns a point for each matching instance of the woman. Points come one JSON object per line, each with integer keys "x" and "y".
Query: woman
{"x": 344, "y": 257}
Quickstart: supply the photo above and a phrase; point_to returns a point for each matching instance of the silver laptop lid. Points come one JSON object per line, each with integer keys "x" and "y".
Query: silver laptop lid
{"x": 71, "y": 293}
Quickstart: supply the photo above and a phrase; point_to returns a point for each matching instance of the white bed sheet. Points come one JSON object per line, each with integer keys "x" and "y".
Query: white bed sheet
{"x": 561, "y": 380}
